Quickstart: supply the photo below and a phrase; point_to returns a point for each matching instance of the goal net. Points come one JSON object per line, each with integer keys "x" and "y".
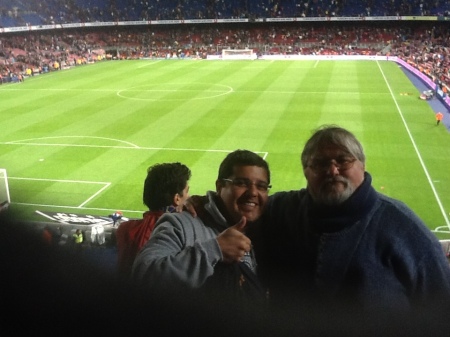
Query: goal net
{"x": 4, "y": 190}
{"x": 238, "y": 54}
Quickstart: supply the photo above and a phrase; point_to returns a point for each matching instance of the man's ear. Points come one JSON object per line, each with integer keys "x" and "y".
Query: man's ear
{"x": 219, "y": 185}
{"x": 177, "y": 200}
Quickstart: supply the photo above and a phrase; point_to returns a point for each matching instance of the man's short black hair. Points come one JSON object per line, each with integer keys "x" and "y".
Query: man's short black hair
{"x": 163, "y": 182}
{"x": 241, "y": 158}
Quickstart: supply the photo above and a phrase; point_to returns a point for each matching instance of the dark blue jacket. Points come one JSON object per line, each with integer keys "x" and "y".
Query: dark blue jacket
{"x": 372, "y": 252}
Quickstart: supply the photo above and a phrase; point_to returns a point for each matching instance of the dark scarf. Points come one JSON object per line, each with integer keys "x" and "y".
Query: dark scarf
{"x": 324, "y": 218}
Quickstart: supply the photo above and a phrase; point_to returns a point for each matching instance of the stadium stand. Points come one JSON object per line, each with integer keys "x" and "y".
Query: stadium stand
{"x": 17, "y": 12}
{"x": 422, "y": 44}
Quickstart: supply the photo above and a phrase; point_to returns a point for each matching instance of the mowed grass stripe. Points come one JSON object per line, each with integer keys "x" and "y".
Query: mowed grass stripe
{"x": 254, "y": 118}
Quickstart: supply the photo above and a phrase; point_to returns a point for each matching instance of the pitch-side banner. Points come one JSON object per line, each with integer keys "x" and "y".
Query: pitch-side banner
{"x": 214, "y": 21}
{"x": 77, "y": 219}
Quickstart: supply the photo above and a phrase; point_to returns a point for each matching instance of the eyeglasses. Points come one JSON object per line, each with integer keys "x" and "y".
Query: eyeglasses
{"x": 247, "y": 183}
{"x": 320, "y": 165}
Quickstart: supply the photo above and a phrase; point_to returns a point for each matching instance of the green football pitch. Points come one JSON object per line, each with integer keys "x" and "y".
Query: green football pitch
{"x": 80, "y": 140}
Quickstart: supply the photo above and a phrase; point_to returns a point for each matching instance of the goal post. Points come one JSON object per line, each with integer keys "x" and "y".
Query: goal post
{"x": 4, "y": 190}
{"x": 238, "y": 54}
{"x": 445, "y": 244}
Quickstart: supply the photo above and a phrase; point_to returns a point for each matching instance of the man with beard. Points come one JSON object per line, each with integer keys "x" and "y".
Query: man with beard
{"x": 211, "y": 256}
{"x": 340, "y": 247}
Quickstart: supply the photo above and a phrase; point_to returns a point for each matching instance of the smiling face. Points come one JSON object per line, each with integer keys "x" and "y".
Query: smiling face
{"x": 245, "y": 193}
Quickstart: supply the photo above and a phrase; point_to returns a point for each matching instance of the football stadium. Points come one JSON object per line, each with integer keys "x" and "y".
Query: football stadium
{"x": 93, "y": 93}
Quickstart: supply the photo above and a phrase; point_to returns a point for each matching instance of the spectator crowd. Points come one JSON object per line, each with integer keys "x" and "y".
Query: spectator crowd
{"x": 422, "y": 44}
{"x": 17, "y": 13}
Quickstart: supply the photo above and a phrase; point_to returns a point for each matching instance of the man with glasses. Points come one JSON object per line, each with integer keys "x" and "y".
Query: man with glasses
{"x": 211, "y": 253}
{"x": 339, "y": 244}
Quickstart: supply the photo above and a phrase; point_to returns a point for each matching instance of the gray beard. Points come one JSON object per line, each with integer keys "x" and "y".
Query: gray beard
{"x": 333, "y": 199}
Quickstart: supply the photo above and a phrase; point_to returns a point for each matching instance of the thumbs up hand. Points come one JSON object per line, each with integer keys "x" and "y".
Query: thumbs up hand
{"x": 233, "y": 243}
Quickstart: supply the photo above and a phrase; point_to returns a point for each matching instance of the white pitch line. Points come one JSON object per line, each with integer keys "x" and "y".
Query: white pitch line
{"x": 149, "y": 64}
{"x": 61, "y": 180}
{"x": 172, "y": 90}
{"x": 441, "y": 229}
{"x": 122, "y": 147}
{"x": 76, "y": 207}
{"x": 22, "y": 141}
{"x": 71, "y": 145}
{"x": 106, "y": 185}
{"x": 211, "y": 91}
{"x": 94, "y": 195}
{"x": 417, "y": 150}
{"x": 49, "y": 217}
{"x": 59, "y": 89}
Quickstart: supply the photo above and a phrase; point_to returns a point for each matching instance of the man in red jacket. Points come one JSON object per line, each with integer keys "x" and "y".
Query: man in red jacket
{"x": 166, "y": 189}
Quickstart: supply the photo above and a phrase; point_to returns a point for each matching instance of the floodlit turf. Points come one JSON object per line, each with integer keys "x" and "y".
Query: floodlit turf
{"x": 80, "y": 140}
